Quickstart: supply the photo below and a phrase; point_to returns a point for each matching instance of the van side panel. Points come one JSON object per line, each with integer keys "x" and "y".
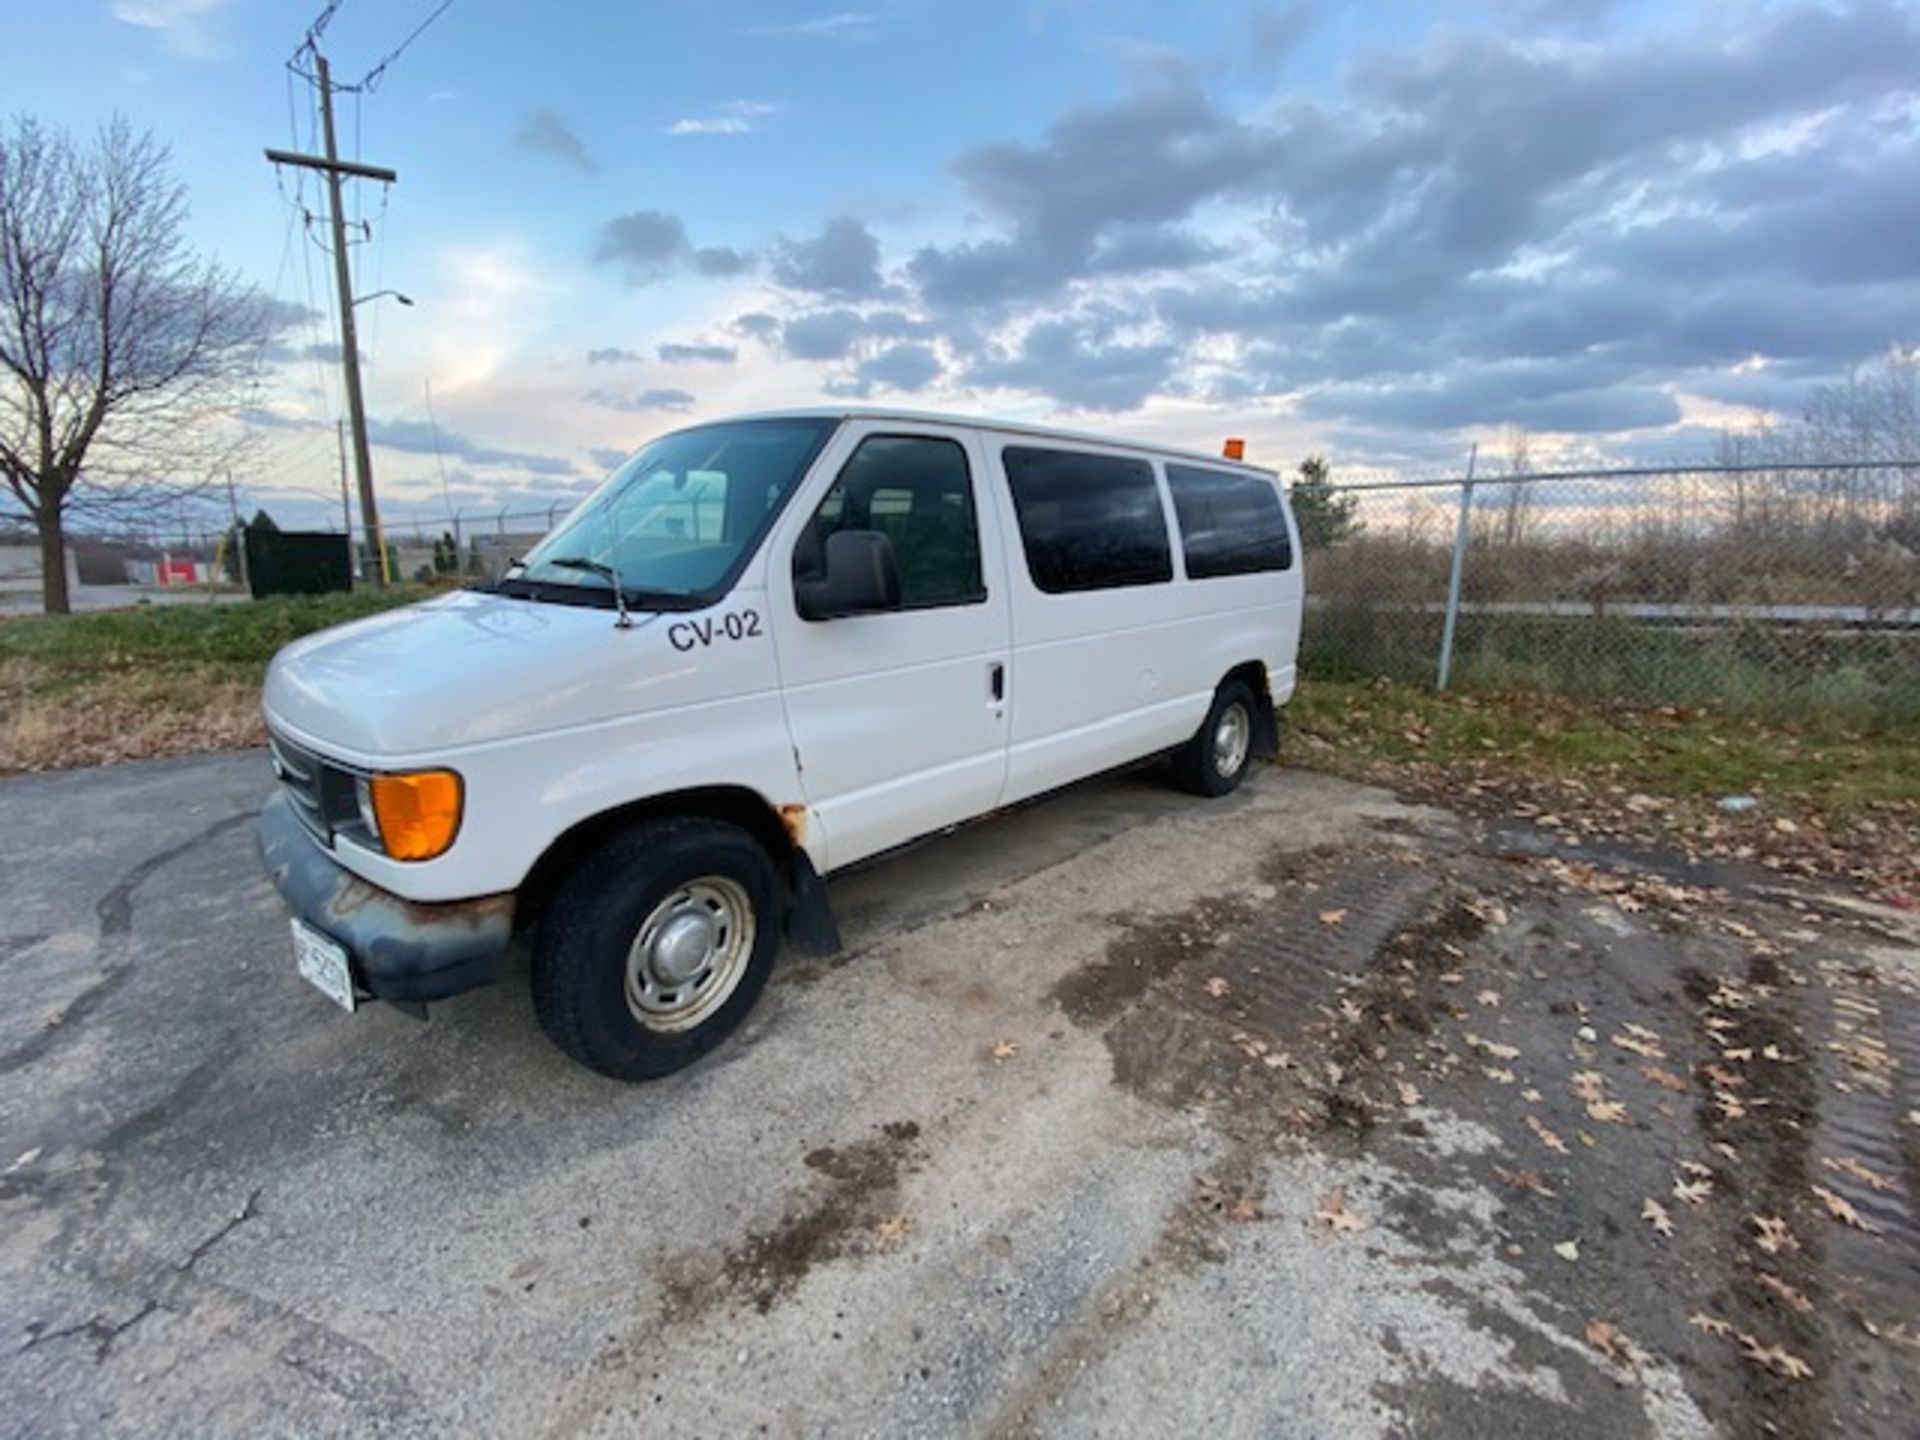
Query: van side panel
{"x": 1104, "y": 677}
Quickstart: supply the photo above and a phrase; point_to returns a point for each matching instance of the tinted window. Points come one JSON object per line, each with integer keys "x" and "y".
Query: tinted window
{"x": 1088, "y": 522}
{"x": 1230, "y": 524}
{"x": 918, "y": 491}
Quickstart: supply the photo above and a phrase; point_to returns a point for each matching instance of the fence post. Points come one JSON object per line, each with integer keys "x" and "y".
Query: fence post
{"x": 552, "y": 511}
{"x": 1459, "y": 566}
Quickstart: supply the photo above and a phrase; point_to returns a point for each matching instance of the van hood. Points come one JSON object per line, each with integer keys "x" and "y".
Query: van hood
{"x": 460, "y": 669}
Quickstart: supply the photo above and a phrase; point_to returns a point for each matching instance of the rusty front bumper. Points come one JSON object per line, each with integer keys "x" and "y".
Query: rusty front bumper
{"x": 402, "y": 951}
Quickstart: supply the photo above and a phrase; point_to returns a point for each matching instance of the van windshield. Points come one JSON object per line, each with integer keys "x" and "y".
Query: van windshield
{"x": 678, "y": 519}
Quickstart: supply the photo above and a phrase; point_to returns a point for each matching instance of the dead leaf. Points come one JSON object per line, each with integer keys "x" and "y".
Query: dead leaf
{"x": 1524, "y": 1180}
{"x": 1568, "y": 1250}
{"x": 1409, "y": 1093}
{"x": 1842, "y": 1210}
{"x": 1218, "y": 987}
{"x": 890, "y": 1233}
{"x": 1547, "y": 1138}
{"x": 1873, "y": 1179}
{"x": 1694, "y": 1192}
{"x": 1729, "y": 1106}
{"x": 1244, "y": 1211}
{"x": 1588, "y": 1086}
{"x": 1605, "y": 1337}
{"x": 1490, "y": 998}
{"x": 1773, "y": 1235}
{"x": 1727, "y": 1150}
{"x": 1499, "y": 1075}
{"x": 1712, "y": 1324}
{"x": 1005, "y": 1049}
{"x": 1792, "y": 1298}
{"x": 1609, "y": 1112}
{"x": 1774, "y": 1358}
{"x": 1655, "y": 1214}
{"x": 1496, "y": 1050}
{"x": 1665, "y": 1079}
{"x": 1697, "y": 1170}
{"x": 1648, "y": 1048}
{"x": 1333, "y": 1213}
{"x": 1739, "y": 1056}
{"x": 1331, "y": 918}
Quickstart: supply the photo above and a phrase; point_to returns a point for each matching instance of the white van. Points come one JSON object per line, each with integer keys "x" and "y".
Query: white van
{"x": 762, "y": 651}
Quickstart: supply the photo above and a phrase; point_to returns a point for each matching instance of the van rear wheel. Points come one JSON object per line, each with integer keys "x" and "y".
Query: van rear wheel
{"x": 656, "y": 946}
{"x": 1215, "y": 760}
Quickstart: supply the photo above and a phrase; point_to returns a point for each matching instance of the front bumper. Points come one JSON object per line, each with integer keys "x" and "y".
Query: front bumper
{"x": 402, "y": 950}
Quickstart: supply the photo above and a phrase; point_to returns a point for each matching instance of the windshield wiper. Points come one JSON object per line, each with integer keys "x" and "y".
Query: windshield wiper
{"x": 607, "y": 573}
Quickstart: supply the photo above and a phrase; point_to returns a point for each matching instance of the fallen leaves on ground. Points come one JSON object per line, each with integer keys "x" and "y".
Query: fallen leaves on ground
{"x": 1842, "y": 1210}
{"x": 1524, "y": 1180}
{"x": 1005, "y": 1049}
{"x": 1665, "y": 1079}
{"x": 1693, "y": 1192}
{"x": 1794, "y": 1299}
{"x": 1605, "y": 1336}
{"x": 1333, "y": 918}
{"x": 1773, "y": 1236}
{"x": 1491, "y": 1047}
{"x": 1238, "y": 1208}
{"x": 1655, "y": 1214}
{"x": 1333, "y": 1213}
{"x": 1849, "y": 1166}
{"x": 1218, "y": 987}
{"x": 1409, "y": 1093}
{"x": 1568, "y": 1250}
{"x": 1771, "y": 1357}
{"x": 1547, "y": 1138}
{"x": 892, "y": 1232}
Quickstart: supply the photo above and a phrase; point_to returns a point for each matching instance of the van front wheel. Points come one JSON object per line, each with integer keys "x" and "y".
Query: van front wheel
{"x": 656, "y": 946}
{"x": 1215, "y": 760}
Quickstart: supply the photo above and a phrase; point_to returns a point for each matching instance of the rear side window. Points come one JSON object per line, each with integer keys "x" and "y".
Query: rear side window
{"x": 1088, "y": 522}
{"x": 1229, "y": 524}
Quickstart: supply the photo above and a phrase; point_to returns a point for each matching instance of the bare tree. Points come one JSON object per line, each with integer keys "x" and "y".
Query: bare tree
{"x": 121, "y": 351}
{"x": 1517, "y": 506}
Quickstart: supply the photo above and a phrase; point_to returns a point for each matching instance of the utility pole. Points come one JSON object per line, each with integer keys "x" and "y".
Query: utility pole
{"x": 239, "y": 533}
{"x": 346, "y": 506}
{"x": 333, "y": 167}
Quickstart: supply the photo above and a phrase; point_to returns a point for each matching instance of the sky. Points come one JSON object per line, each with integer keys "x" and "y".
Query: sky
{"x": 1382, "y": 231}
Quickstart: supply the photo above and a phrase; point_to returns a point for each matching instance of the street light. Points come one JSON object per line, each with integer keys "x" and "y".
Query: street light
{"x": 403, "y": 299}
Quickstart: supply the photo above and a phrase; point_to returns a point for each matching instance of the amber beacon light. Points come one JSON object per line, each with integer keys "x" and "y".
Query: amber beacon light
{"x": 1235, "y": 449}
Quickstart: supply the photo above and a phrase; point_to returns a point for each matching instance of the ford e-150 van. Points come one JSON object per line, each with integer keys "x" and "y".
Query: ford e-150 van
{"x": 764, "y": 650}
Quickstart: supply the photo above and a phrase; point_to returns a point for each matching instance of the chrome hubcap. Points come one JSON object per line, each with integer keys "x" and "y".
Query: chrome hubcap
{"x": 1230, "y": 739}
{"x": 689, "y": 954}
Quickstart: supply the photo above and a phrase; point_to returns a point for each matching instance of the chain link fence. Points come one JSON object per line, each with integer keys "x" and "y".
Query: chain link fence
{"x": 1782, "y": 593}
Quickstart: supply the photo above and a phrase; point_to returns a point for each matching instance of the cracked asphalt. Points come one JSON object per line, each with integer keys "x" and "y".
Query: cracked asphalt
{"x": 1303, "y": 1113}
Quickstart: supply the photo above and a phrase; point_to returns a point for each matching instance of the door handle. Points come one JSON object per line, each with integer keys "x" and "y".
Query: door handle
{"x": 996, "y": 681}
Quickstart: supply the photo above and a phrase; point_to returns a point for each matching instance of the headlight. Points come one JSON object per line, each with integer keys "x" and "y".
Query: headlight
{"x": 413, "y": 816}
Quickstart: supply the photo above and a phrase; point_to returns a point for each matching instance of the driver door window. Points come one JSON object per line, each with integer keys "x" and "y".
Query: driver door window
{"x": 917, "y": 491}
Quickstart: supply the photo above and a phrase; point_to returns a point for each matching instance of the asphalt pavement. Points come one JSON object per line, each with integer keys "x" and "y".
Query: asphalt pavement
{"x": 1122, "y": 1113}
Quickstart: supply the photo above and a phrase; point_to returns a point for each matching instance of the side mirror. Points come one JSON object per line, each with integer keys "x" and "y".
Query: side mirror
{"x": 862, "y": 577}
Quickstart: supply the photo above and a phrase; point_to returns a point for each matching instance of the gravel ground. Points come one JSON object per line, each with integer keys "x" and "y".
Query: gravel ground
{"x": 1303, "y": 1113}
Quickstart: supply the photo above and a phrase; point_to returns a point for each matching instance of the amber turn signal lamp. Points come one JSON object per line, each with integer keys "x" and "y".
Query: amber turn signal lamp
{"x": 1236, "y": 449}
{"x": 419, "y": 813}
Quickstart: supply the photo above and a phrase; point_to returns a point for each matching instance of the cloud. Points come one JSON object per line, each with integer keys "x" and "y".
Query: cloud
{"x": 710, "y": 125}
{"x": 645, "y": 400}
{"x": 651, "y": 244}
{"x": 1082, "y": 363}
{"x": 907, "y": 367}
{"x": 606, "y": 458}
{"x": 547, "y": 133}
{"x": 1274, "y": 32}
{"x": 672, "y": 354}
{"x": 185, "y": 25}
{"x": 758, "y": 324}
{"x": 614, "y": 355}
{"x": 839, "y": 25}
{"x": 842, "y": 261}
{"x": 421, "y": 437}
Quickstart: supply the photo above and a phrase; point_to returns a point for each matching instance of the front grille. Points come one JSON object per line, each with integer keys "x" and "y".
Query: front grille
{"x": 300, "y": 772}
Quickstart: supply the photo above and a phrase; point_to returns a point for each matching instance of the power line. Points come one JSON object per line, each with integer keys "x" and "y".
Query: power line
{"x": 371, "y": 80}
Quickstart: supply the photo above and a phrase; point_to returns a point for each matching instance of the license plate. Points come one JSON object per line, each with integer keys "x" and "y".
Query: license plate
{"x": 324, "y": 963}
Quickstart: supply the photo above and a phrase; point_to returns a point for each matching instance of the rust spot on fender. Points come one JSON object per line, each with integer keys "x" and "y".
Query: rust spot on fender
{"x": 794, "y": 818}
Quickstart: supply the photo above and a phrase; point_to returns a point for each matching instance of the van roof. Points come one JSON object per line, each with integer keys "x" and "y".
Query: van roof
{"x": 1006, "y": 427}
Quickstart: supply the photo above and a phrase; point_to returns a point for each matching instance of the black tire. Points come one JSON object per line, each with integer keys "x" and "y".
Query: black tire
{"x": 1197, "y": 765}
{"x": 581, "y": 954}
